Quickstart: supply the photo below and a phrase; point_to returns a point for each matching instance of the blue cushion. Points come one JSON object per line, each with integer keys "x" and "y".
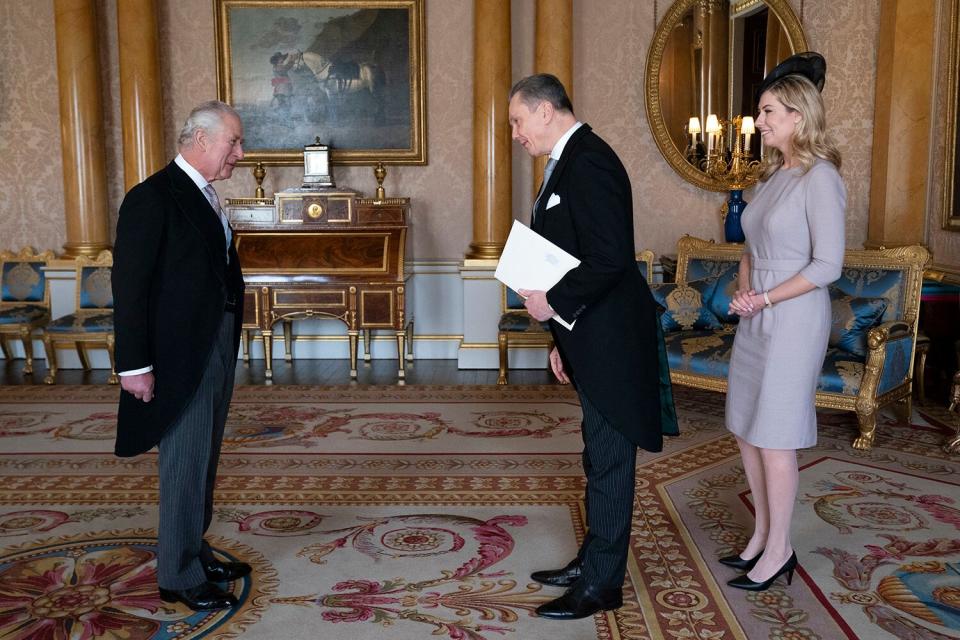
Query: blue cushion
{"x": 875, "y": 282}
{"x": 851, "y": 318}
{"x": 842, "y": 372}
{"x": 25, "y": 314}
{"x": 99, "y": 323}
{"x": 702, "y": 268}
{"x": 704, "y": 352}
{"x": 22, "y": 281}
{"x": 521, "y": 321}
{"x": 721, "y": 295}
{"x": 683, "y": 306}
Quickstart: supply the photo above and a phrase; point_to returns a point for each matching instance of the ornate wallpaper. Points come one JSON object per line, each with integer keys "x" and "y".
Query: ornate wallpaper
{"x": 610, "y": 48}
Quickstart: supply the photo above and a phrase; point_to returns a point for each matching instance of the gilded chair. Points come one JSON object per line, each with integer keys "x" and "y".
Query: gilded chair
{"x": 25, "y": 301}
{"x": 91, "y": 325}
{"x": 518, "y": 328}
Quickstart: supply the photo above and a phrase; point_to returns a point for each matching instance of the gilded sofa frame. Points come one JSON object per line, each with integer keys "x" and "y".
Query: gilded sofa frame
{"x": 911, "y": 259}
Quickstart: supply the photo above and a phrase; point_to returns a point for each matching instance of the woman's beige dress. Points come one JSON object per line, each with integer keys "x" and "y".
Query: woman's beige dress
{"x": 793, "y": 224}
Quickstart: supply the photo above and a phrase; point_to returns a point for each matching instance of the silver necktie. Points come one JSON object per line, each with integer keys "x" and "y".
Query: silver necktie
{"x": 547, "y": 170}
{"x": 214, "y": 201}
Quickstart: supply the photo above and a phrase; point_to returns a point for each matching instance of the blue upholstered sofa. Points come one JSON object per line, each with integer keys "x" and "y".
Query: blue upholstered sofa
{"x": 870, "y": 358}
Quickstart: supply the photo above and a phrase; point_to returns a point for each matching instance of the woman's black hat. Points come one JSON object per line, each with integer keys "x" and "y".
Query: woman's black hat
{"x": 808, "y": 64}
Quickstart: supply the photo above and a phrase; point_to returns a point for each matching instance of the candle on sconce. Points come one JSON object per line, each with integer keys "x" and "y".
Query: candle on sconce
{"x": 747, "y": 128}
{"x": 713, "y": 126}
{"x": 693, "y": 128}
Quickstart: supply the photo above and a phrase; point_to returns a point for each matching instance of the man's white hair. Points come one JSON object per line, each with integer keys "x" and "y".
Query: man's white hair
{"x": 208, "y": 116}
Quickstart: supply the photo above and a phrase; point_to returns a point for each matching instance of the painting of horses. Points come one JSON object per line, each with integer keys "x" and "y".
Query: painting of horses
{"x": 347, "y": 72}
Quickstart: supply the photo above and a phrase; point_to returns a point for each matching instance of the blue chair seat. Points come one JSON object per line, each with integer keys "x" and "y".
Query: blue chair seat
{"x": 25, "y": 314}
{"x": 842, "y": 372}
{"x": 705, "y": 351}
{"x": 521, "y": 322}
{"x": 99, "y": 323}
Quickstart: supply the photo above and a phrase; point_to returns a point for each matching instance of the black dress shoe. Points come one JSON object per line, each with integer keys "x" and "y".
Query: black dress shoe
{"x": 737, "y": 562}
{"x": 580, "y": 601}
{"x": 225, "y": 571}
{"x": 559, "y": 577}
{"x": 206, "y": 596}
{"x": 743, "y": 582}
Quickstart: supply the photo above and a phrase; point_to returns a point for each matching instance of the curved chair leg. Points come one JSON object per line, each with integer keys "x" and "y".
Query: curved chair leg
{"x": 4, "y": 349}
{"x": 114, "y": 378}
{"x": 921, "y": 366}
{"x": 51, "y": 351}
{"x": 903, "y": 408}
{"x": 504, "y": 355}
{"x": 868, "y": 428}
{"x": 26, "y": 337}
{"x": 82, "y": 354}
{"x": 288, "y": 340}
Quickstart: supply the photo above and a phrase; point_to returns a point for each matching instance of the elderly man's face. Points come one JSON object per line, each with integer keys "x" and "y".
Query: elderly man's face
{"x": 528, "y": 126}
{"x": 222, "y": 149}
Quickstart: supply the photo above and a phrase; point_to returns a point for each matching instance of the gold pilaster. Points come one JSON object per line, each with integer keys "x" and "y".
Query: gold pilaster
{"x": 141, "y": 115}
{"x": 81, "y": 128}
{"x": 553, "y": 53}
{"x": 492, "y": 192}
{"x": 902, "y": 116}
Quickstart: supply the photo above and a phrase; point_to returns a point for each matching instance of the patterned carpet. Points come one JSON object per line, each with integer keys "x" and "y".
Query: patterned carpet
{"x": 415, "y": 512}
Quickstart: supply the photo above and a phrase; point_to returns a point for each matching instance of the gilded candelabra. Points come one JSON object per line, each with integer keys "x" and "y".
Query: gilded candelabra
{"x": 736, "y": 172}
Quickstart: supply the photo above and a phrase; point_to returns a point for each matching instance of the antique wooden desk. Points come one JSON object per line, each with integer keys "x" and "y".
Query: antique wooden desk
{"x": 324, "y": 253}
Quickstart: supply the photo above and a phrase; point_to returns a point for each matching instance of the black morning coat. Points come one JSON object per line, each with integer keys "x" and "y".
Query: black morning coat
{"x": 614, "y": 353}
{"x": 171, "y": 281}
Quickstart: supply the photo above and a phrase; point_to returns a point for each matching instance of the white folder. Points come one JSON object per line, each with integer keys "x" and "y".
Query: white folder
{"x": 530, "y": 261}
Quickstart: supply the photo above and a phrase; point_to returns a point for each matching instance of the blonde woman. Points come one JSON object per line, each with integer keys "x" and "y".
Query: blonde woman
{"x": 794, "y": 228}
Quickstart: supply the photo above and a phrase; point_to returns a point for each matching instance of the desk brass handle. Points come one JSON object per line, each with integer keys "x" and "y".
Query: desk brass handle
{"x": 315, "y": 211}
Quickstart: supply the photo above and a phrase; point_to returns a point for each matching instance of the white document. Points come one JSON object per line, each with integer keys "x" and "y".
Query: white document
{"x": 530, "y": 261}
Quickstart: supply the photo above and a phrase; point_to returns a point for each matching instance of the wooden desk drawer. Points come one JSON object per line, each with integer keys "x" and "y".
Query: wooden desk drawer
{"x": 380, "y": 214}
{"x": 333, "y": 298}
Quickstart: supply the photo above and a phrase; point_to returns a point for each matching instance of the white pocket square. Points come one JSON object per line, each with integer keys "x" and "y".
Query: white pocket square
{"x": 553, "y": 201}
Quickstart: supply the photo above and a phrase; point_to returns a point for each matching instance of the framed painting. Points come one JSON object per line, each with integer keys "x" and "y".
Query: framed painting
{"x": 347, "y": 72}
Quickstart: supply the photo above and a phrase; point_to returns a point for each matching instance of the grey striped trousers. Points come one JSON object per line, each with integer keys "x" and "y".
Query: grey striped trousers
{"x": 609, "y": 462}
{"x": 189, "y": 454}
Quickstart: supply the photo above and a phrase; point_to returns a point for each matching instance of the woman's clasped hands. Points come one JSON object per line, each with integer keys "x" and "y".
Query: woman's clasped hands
{"x": 746, "y": 304}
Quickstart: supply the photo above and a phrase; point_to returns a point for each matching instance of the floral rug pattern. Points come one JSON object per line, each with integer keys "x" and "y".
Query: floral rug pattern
{"x": 412, "y": 512}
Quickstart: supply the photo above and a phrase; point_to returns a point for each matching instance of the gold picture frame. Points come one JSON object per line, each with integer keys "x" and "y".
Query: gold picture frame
{"x": 951, "y": 165}
{"x": 349, "y": 72}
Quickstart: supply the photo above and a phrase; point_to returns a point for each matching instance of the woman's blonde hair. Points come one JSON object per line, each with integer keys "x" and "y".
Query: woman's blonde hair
{"x": 810, "y": 138}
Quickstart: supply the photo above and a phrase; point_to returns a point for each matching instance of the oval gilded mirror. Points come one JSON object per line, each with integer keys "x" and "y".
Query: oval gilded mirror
{"x": 705, "y": 64}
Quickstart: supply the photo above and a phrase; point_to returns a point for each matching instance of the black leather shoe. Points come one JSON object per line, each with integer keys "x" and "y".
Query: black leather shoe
{"x": 743, "y": 582}
{"x": 737, "y": 562}
{"x": 206, "y": 596}
{"x": 225, "y": 571}
{"x": 559, "y": 577}
{"x": 581, "y": 601}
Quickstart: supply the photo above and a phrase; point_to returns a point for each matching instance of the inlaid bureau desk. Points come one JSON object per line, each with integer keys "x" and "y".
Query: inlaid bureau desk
{"x": 324, "y": 253}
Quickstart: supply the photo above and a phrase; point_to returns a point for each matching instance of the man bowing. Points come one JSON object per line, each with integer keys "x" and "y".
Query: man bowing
{"x": 611, "y": 355}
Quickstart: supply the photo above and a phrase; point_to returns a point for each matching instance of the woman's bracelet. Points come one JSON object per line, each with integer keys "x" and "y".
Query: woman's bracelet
{"x": 766, "y": 300}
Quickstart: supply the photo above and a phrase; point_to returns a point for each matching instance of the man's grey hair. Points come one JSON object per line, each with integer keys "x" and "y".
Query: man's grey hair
{"x": 208, "y": 116}
{"x": 542, "y": 87}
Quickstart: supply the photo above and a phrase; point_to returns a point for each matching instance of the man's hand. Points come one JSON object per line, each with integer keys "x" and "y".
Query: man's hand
{"x": 139, "y": 386}
{"x": 556, "y": 363}
{"x": 537, "y": 305}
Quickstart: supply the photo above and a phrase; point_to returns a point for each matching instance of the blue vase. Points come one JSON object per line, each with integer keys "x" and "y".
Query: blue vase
{"x": 732, "y": 231}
